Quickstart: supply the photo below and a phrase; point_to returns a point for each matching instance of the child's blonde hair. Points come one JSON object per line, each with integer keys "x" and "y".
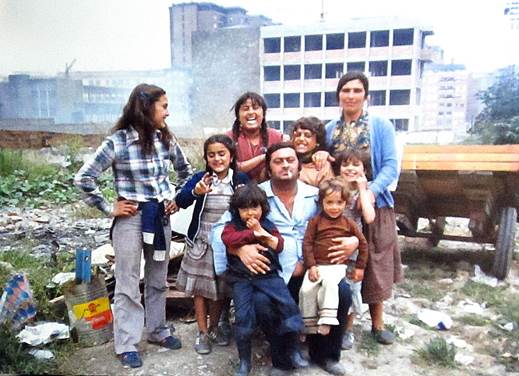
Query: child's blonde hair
{"x": 336, "y": 184}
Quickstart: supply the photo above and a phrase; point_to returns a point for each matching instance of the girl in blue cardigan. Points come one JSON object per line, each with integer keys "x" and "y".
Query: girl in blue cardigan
{"x": 211, "y": 191}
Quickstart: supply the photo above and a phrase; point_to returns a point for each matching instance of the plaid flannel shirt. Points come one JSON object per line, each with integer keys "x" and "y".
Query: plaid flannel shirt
{"x": 136, "y": 177}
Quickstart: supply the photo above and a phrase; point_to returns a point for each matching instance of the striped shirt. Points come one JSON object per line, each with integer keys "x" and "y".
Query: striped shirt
{"x": 137, "y": 177}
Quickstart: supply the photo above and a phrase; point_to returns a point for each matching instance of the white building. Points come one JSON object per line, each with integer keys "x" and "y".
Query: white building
{"x": 444, "y": 105}
{"x": 300, "y": 67}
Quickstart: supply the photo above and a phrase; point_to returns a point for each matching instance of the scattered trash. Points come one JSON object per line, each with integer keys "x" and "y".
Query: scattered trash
{"x": 62, "y": 278}
{"x": 445, "y": 281}
{"x": 43, "y": 333}
{"x": 464, "y": 360}
{"x": 509, "y": 326}
{"x": 481, "y": 277}
{"x": 405, "y": 333}
{"x": 17, "y": 304}
{"x": 435, "y": 319}
{"x": 99, "y": 255}
{"x": 468, "y": 306}
{"x": 42, "y": 354}
{"x": 458, "y": 342}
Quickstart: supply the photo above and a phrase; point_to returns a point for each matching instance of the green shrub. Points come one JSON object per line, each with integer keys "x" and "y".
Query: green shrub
{"x": 438, "y": 353}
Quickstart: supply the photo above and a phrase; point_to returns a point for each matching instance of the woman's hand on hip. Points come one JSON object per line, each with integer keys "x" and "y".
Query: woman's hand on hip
{"x": 251, "y": 257}
{"x": 345, "y": 246}
{"x": 170, "y": 207}
{"x": 125, "y": 208}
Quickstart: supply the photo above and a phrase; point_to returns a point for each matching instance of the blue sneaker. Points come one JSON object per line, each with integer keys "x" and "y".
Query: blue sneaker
{"x": 170, "y": 342}
{"x": 131, "y": 359}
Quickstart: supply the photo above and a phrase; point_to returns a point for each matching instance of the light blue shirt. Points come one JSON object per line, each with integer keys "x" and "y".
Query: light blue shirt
{"x": 292, "y": 227}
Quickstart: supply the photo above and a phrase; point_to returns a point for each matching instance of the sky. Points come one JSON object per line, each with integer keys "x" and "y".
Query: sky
{"x": 42, "y": 36}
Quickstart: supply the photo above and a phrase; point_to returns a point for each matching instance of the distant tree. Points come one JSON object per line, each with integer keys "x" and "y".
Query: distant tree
{"x": 498, "y": 123}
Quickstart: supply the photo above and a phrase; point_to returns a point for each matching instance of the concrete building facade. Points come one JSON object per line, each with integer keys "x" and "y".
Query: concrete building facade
{"x": 444, "y": 104}
{"x": 300, "y": 67}
{"x": 188, "y": 18}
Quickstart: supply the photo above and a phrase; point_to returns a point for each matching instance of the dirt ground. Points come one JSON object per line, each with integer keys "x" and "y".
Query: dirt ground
{"x": 363, "y": 359}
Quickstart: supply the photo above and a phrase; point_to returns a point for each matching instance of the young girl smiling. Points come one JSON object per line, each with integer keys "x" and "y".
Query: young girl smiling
{"x": 212, "y": 190}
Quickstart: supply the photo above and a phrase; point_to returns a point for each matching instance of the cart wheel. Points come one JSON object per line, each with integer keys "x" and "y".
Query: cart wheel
{"x": 505, "y": 242}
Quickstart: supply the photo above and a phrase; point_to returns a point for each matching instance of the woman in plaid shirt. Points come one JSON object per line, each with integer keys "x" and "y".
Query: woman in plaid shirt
{"x": 140, "y": 152}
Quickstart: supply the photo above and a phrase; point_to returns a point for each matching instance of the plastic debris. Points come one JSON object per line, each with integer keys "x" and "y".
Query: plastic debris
{"x": 463, "y": 359}
{"x": 61, "y": 278}
{"x": 509, "y": 326}
{"x": 42, "y": 354}
{"x": 17, "y": 304}
{"x": 435, "y": 319}
{"x": 458, "y": 342}
{"x": 481, "y": 277}
{"x": 468, "y": 306}
{"x": 43, "y": 333}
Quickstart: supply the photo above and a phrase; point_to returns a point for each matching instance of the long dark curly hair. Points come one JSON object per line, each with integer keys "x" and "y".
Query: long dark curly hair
{"x": 138, "y": 113}
{"x": 256, "y": 99}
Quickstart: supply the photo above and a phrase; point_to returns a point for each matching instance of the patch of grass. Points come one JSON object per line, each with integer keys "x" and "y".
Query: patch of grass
{"x": 418, "y": 289}
{"x": 16, "y": 360}
{"x": 415, "y": 321}
{"x": 369, "y": 345}
{"x": 473, "y": 320}
{"x": 492, "y": 296}
{"x": 438, "y": 353}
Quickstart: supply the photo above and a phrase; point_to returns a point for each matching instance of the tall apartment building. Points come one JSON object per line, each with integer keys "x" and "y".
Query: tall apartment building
{"x": 188, "y": 18}
{"x": 300, "y": 67}
{"x": 511, "y": 12}
{"x": 444, "y": 104}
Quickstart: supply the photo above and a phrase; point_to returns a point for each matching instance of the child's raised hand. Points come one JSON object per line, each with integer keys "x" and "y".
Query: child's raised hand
{"x": 362, "y": 182}
{"x": 204, "y": 185}
{"x": 313, "y": 274}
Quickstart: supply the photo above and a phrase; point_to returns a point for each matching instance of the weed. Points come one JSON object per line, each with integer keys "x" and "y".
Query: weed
{"x": 473, "y": 320}
{"x": 369, "y": 344}
{"x": 16, "y": 360}
{"x": 438, "y": 353}
{"x": 492, "y": 296}
{"x": 418, "y": 289}
{"x": 415, "y": 321}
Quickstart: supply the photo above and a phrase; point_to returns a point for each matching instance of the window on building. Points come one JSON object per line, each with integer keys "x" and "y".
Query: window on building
{"x": 357, "y": 40}
{"x": 272, "y": 45}
{"x": 378, "y": 68}
{"x": 292, "y": 72}
{"x": 334, "y": 70}
{"x": 273, "y": 100}
{"x": 330, "y": 99}
{"x": 313, "y": 71}
{"x": 291, "y": 100}
{"x": 379, "y": 38}
{"x": 401, "y": 67}
{"x": 272, "y": 73}
{"x": 334, "y": 41}
{"x": 313, "y": 42}
{"x": 403, "y": 37}
{"x": 312, "y": 99}
{"x": 287, "y": 126}
{"x": 400, "y": 124}
{"x": 356, "y": 66}
{"x": 292, "y": 44}
{"x": 377, "y": 98}
{"x": 274, "y": 124}
{"x": 399, "y": 97}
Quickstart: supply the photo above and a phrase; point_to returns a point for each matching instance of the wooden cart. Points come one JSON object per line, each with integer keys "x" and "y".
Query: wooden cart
{"x": 479, "y": 182}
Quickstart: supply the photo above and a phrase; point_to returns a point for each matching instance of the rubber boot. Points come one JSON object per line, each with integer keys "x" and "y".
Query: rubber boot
{"x": 244, "y": 352}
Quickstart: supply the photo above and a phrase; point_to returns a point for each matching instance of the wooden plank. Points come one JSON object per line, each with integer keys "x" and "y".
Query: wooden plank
{"x": 480, "y": 149}
{"x": 461, "y": 166}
